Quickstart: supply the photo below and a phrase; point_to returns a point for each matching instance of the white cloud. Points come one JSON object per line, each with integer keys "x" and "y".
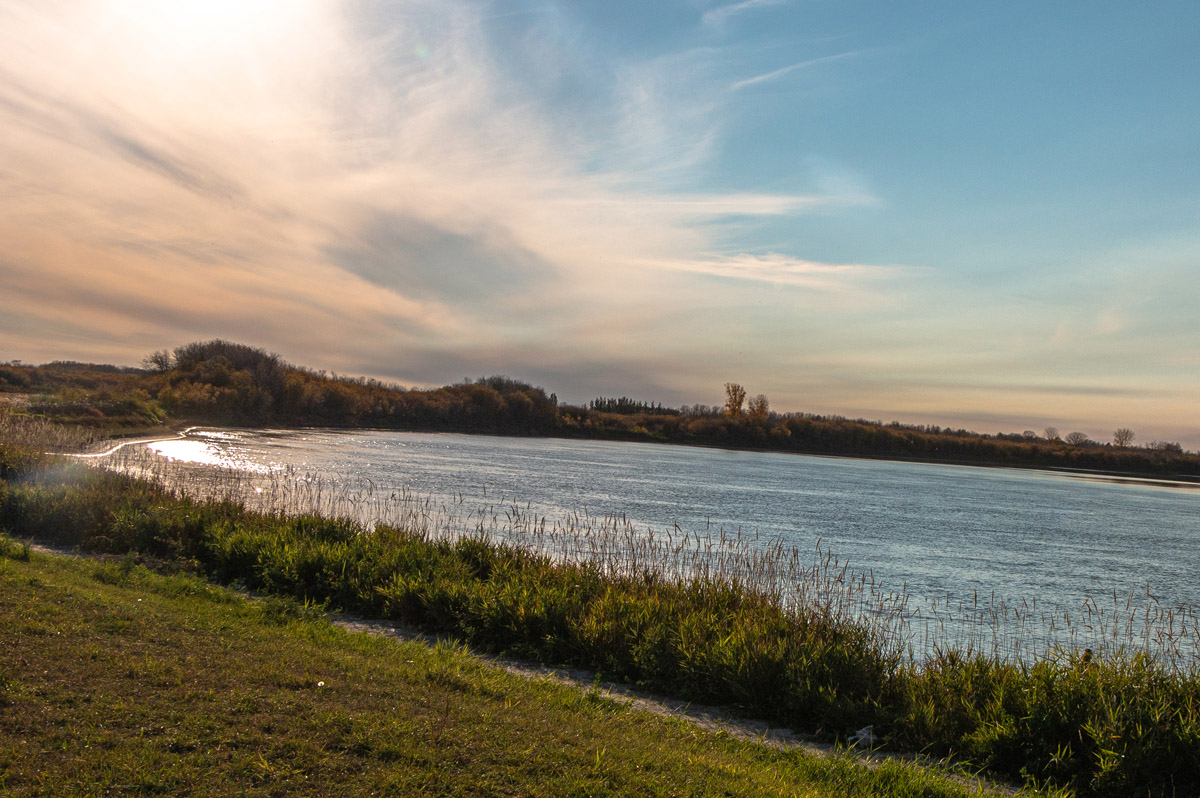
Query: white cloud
{"x": 782, "y": 72}
{"x": 205, "y": 160}
{"x": 784, "y": 270}
{"x": 165, "y": 179}
{"x": 717, "y": 17}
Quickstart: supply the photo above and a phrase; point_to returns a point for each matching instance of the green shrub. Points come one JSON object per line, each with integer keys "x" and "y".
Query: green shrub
{"x": 1112, "y": 728}
{"x": 1118, "y": 727}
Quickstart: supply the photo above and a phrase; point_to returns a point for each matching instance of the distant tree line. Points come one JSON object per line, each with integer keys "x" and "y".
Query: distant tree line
{"x": 833, "y": 435}
{"x": 219, "y": 382}
{"x": 628, "y": 407}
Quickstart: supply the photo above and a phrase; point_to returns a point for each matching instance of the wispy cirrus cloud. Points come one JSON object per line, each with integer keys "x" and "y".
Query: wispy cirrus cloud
{"x": 442, "y": 185}
{"x": 717, "y": 17}
{"x": 782, "y": 72}
{"x": 340, "y": 161}
{"x": 786, "y": 270}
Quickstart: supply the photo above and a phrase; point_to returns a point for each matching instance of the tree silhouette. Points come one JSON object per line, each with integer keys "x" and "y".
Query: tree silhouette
{"x": 1123, "y": 437}
{"x": 735, "y": 397}
{"x": 759, "y": 407}
{"x": 159, "y": 362}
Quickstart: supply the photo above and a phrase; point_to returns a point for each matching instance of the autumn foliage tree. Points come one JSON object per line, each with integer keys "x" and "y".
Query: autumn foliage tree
{"x": 223, "y": 382}
{"x": 227, "y": 383}
{"x": 735, "y": 398}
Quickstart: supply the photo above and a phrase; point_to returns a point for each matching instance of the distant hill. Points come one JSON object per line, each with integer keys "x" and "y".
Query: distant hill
{"x": 225, "y": 383}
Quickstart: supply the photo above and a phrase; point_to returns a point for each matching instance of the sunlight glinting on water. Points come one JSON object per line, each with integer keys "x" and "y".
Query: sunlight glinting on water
{"x": 1011, "y": 564}
{"x": 206, "y": 452}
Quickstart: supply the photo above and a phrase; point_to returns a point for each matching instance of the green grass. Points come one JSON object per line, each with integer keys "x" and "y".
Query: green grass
{"x": 114, "y": 679}
{"x": 1114, "y": 726}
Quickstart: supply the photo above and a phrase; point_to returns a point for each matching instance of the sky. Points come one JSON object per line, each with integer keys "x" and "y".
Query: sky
{"x": 978, "y": 215}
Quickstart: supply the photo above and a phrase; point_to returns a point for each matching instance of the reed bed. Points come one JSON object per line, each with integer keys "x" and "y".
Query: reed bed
{"x": 913, "y": 627}
{"x": 32, "y": 433}
{"x": 796, "y": 637}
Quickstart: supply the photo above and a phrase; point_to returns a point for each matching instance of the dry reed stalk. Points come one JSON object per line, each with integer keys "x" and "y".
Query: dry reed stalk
{"x": 902, "y": 622}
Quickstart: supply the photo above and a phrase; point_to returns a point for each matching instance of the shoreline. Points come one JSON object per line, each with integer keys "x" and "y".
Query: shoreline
{"x": 1178, "y": 481}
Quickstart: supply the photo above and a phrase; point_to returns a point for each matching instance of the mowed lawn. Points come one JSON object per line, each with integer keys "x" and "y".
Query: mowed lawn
{"x": 118, "y": 680}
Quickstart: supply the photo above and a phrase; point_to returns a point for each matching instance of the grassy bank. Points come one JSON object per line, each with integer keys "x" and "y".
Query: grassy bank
{"x": 114, "y": 679}
{"x": 1117, "y": 727}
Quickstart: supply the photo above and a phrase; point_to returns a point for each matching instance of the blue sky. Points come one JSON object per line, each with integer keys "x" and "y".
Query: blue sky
{"x": 976, "y": 215}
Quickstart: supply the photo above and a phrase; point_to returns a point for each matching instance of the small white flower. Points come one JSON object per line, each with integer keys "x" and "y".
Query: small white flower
{"x": 320, "y": 684}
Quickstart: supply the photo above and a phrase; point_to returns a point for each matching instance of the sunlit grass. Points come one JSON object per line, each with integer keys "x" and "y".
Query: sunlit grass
{"x": 29, "y": 432}
{"x": 117, "y": 680}
{"x": 911, "y": 627}
{"x": 705, "y": 619}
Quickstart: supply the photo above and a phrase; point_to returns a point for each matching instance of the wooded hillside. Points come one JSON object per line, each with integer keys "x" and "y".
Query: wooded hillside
{"x": 219, "y": 382}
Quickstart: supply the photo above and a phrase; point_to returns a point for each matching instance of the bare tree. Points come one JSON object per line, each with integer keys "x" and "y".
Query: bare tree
{"x": 1076, "y": 438}
{"x": 1051, "y": 433}
{"x": 159, "y": 362}
{"x": 1123, "y": 437}
{"x": 759, "y": 407}
{"x": 735, "y": 397}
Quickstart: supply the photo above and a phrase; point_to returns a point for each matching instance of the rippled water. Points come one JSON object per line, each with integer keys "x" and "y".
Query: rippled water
{"x": 999, "y": 535}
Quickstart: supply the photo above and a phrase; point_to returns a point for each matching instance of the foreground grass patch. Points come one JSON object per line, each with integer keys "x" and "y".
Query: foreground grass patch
{"x": 1108, "y": 727}
{"x": 114, "y": 679}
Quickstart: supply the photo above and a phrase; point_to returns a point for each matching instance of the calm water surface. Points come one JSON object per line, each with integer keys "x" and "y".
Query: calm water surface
{"x": 933, "y": 529}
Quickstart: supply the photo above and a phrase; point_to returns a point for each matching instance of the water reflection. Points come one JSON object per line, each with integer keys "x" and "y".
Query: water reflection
{"x": 210, "y": 449}
{"x": 1017, "y": 551}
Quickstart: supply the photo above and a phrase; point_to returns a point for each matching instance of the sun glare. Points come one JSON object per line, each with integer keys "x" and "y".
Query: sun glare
{"x": 191, "y": 27}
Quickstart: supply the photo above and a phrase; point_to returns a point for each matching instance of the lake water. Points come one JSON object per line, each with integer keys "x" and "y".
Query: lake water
{"x": 1047, "y": 547}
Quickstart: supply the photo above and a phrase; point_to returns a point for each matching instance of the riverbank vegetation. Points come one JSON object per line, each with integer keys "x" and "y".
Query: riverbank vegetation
{"x": 218, "y": 382}
{"x": 117, "y": 679}
{"x": 1113, "y": 725}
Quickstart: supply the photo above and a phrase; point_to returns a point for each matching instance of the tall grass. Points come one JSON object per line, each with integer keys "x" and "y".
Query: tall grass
{"x": 22, "y": 431}
{"x": 913, "y": 627}
{"x": 799, "y": 639}
{"x": 167, "y": 685}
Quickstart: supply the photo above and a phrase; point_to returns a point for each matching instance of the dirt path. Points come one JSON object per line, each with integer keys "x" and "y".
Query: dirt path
{"x": 710, "y": 718}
